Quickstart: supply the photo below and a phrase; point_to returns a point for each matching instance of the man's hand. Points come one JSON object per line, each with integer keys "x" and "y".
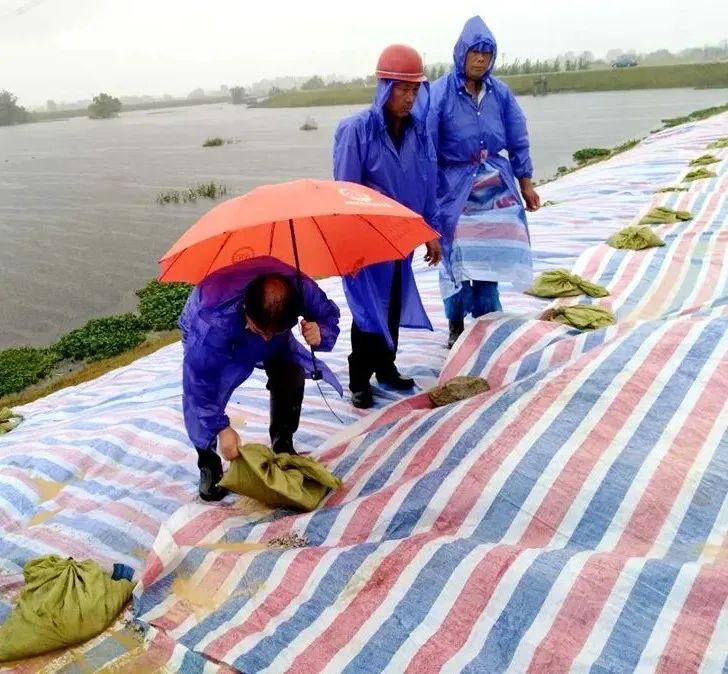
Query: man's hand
{"x": 228, "y": 442}
{"x": 530, "y": 196}
{"x": 434, "y": 252}
{"x": 311, "y": 333}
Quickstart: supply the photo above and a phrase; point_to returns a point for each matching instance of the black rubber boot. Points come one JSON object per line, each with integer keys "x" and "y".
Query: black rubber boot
{"x": 360, "y": 372}
{"x": 363, "y": 398}
{"x": 210, "y": 467}
{"x": 395, "y": 380}
{"x": 456, "y": 329}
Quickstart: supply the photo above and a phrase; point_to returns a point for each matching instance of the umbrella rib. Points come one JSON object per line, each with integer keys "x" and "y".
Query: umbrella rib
{"x": 323, "y": 238}
{"x": 174, "y": 262}
{"x": 377, "y": 230}
{"x": 272, "y": 232}
{"x": 219, "y": 250}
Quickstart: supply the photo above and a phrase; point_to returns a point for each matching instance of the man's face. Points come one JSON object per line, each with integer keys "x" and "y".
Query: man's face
{"x": 402, "y": 99}
{"x": 477, "y": 64}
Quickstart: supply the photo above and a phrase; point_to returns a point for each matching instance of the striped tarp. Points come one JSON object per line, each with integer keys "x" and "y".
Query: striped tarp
{"x": 573, "y": 518}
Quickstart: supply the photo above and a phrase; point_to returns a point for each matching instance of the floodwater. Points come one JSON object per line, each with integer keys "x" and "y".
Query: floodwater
{"x": 80, "y": 229}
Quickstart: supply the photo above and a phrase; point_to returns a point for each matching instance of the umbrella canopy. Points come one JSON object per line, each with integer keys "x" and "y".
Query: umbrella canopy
{"x": 323, "y": 227}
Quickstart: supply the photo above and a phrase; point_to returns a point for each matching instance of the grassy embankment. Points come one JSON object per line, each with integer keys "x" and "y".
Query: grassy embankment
{"x": 697, "y": 75}
{"x": 103, "y": 344}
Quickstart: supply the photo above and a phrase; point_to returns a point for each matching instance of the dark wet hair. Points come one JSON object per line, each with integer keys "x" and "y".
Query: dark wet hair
{"x": 272, "y": 303}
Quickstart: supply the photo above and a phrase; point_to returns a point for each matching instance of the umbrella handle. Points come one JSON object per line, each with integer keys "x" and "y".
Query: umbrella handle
{"x": 316, "y": 373}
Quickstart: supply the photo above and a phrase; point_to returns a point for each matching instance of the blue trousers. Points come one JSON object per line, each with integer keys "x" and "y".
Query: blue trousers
{"x": 476, "y": 298}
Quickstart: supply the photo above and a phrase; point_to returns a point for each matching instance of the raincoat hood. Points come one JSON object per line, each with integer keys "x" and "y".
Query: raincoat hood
{"x": 419, "y": 109}
{"x": 475, "y": 34}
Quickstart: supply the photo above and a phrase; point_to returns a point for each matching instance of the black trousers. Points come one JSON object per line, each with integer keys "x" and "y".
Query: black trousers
{"x": 286, "y": 381}
{"x": 370, "y": 352}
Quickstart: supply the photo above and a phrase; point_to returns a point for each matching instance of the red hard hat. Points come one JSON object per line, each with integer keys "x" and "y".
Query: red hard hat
{"x": 401, "y": 62}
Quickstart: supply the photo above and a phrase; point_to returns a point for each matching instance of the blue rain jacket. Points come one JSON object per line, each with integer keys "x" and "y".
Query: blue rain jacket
{"x": 220, "y": 353}
{"x": 364, "y": 153}
{"x": 461, "y": 129}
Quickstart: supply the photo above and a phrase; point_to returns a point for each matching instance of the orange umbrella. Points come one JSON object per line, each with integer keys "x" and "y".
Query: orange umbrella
{"x": 322, "y": 227}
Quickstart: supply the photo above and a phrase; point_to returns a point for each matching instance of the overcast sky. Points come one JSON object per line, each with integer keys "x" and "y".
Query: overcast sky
{"x": 72, "y": 49}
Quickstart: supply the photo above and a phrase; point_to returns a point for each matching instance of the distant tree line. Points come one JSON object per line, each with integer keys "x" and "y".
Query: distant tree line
{"x": 567, "y": 62}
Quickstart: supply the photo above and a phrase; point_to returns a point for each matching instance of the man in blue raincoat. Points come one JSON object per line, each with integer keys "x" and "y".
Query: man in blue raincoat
{"x": 473, "y": 120}
{"x": 237, "y": 319}
{"x": 387, "y": 148}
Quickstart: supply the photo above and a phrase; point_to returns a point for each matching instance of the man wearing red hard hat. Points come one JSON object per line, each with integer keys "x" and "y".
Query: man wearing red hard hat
{"x": 387, "y": 148}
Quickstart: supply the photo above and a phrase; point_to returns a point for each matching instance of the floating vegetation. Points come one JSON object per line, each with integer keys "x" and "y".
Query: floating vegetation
{"x": 309, "y": 125}
{"x": 209, "y": 190}
{"x": 213, "y": 142}
{"x": 169, "y": 197}
{"x": 719, "y": 144}
{"x": 671, "y": 189}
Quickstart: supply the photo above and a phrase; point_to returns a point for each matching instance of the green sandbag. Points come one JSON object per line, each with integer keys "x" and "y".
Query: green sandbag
{"x": 286, "y": 480}
{"x": 8, "y": 420}
{"x": 704, "y": 160}
{"x": 582, "y": 316}
{"x": 662, "y": 215}
{"x": 698, "y": 174}
{"x": 456, "y": 389}
{"x": 560, "y": 283}
{"x": 63, "y": 603}
{"x": 635, "y": 238}
{"x": 719, "y": 144}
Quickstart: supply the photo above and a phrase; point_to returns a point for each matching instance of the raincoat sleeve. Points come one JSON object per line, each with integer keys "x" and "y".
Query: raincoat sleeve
{"x": 347, "y": 153}
{"x": 324, "y": 312}
{"x": 516, "y": 136}
{"x": 429, "y": 213}
{"x": 203, "y": 400}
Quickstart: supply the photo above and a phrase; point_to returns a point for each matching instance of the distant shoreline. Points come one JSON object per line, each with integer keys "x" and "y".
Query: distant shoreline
{"x": 712, "y": 75}
{"x": 47, "y": 116}
{"x": 691, "y": 76}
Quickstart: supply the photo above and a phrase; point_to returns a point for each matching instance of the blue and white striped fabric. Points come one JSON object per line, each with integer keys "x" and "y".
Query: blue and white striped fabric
{"x": 571, "y": 519}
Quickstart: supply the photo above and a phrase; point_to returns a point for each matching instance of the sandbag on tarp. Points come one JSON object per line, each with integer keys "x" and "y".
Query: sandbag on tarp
{"x": 8, "y": 420}
{"x": 719, "y": 144}
{"x": 277, "y": 480}
{"x": 63, "y": 603}
{"x": 561, "y": 283}
{"x": 456, "y": 389}
{"x": 704, "y": 160}
{"x": 582, "y": 316}
{"x": 698, "y": 174}
{"x": 672, "y": 189}
{"x": 637, "y": 237}
{"x": 662, "y": 215}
